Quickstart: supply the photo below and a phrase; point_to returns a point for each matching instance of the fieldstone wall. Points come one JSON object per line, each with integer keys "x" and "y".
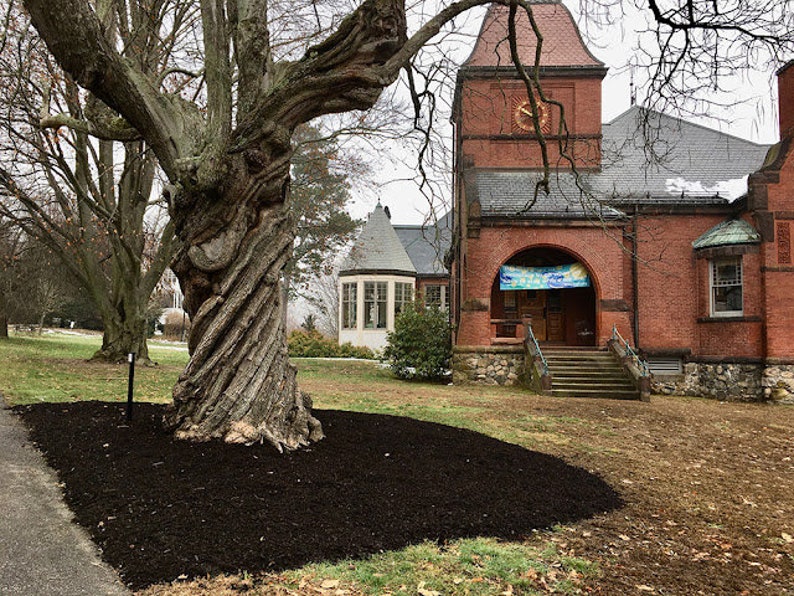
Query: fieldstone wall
{"x": 778, "y": 383}
{"x": 730, "y": 382}
{"x": 493, "y": 365}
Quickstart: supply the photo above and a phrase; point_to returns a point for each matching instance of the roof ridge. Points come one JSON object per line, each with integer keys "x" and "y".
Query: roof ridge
{"x": 638, "y": 108}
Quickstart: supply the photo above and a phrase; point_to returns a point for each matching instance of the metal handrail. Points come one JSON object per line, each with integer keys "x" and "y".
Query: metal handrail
{"x": 641, "y": 364}
{"x": 531, "y": 336}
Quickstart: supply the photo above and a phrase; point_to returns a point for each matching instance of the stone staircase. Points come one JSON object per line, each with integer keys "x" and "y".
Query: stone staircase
{"x": 587, "y": 372}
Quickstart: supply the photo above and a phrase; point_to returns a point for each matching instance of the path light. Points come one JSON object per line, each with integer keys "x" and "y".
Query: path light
{"x": 131, "y": 360}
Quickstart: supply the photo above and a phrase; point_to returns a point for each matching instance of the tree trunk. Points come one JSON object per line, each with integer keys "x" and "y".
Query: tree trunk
{"x": 239, "y": 384}
{"x": 121, "y": 337}
{"x": 3, "y": 316}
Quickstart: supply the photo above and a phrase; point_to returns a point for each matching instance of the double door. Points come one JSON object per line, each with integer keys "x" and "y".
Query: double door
{"x": 545, "y": 308}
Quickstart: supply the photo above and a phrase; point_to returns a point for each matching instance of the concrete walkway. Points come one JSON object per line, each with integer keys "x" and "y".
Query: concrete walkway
{"x": 41, "y": 551}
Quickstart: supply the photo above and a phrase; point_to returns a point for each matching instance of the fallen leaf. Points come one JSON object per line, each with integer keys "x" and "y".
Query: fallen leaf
{"x": 787, "y": 537}
{"x": 422, "y": 592}
{"x": 329, "y": 583}
{"x": 531, "y": 574}
{"x": 644, "y": 588}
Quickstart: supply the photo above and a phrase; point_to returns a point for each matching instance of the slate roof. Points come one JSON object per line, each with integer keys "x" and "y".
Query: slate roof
{"x": 562, "y": 43}
{"x": 512, "y": 193}
{"x": 694, "y": 160}
{"x": 378, "y": 248}
{"x": 728, "y": 233}
{"x": 427, "y": 245}
{"x": 696, "y": 166}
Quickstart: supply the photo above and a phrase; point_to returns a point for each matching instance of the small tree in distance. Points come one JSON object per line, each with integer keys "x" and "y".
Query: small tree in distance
{"x": 420, "y": 347}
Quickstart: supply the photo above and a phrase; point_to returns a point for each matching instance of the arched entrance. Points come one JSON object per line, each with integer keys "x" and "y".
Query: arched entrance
{"x": 550, "y": 289}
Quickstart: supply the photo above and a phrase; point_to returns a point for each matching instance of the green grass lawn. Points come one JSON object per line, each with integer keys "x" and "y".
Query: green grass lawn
{"x": 695, "y": 473}
{"x": 55, "y": 367}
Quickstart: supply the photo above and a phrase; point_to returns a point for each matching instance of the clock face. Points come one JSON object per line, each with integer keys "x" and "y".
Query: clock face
{"x": 522, "y": 115}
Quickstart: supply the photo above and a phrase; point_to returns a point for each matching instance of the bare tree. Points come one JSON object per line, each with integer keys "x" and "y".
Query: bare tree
{"x": 10, "y": 241}
{"x": 87, "y": 199}
{"x": 226, "y": 151}
{"x": 324, "y": 299}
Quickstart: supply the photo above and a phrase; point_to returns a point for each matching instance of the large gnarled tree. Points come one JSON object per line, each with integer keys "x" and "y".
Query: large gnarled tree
{"x": 228, "y": 167}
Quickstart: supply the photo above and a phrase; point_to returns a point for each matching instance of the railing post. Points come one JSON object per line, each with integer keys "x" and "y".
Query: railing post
{"x": 629, "y": 357}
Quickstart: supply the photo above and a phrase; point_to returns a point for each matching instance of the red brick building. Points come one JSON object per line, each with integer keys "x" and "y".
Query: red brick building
{"x": 691, "y": 263}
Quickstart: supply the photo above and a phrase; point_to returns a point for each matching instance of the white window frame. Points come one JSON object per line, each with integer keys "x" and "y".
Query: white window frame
{"x": 715, "y": 284}
{"x": 403, "y": 295}
{"x": 442, "y": 296}
{"x": 350, "y": 305}
{"x": 379, "y": 293}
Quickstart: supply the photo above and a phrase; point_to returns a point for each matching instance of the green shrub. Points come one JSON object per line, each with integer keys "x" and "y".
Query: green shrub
{"x": 420, "y": 347}
{"x": 313, "y": 344}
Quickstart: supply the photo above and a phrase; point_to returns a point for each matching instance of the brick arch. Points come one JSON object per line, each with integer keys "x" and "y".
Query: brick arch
{"x": 575, "y": 254}
{"x": 577, "y": 321}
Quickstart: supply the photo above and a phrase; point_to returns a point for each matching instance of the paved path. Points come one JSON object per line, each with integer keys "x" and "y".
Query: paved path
{"x": 41, "y": 551}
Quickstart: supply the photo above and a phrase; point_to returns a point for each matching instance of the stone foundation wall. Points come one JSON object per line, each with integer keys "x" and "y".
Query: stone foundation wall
{"x": 778, "y": 383}
{"x": 494, "y": 365}
{"x": 500, "y": 365}
{"x": 730, "y": 382}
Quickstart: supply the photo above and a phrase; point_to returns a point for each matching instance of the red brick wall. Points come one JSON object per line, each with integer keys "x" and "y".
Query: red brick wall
{"x": 491, "y": 138}
{"x": 777, "y": 260}
{"x": 785, "y": 91}
{"x": 602, "y": 255}
{"x": 673, "y": 295}
{"x": 673, "y": 292}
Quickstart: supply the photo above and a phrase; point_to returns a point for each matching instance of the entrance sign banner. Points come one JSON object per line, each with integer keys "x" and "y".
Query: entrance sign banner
{"x": 543, "y": 278}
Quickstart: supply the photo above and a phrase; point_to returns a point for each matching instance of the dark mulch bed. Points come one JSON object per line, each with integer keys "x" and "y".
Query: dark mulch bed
{"x": 160, "y": 508}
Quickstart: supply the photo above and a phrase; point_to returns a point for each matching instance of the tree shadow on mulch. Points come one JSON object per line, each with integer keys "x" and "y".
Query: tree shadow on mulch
{"x": 159, "y": 508}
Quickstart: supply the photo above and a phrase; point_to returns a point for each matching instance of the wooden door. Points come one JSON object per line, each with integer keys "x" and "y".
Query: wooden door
{"x": 533, "y": 304}
{"x": 555, "y": 317}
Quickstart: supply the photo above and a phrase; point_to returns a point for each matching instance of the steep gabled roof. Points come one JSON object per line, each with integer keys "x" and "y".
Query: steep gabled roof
{"x": 562, "y": 43}
{"x": 693, "y": 160}
{"x": 427, "y": 245}
{"x": 378, "y": 249}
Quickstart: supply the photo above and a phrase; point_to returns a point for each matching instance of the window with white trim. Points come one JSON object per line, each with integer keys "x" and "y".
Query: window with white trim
{"x": 726, "y": 287}
{"x": 436, "y": 296}
{"x": 349, "y": 305}
{"x": 375, "y": 304}
{"x": 403, "y": 295}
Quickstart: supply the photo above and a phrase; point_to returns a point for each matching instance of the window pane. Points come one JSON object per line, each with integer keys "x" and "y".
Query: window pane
{"x": 403, "y": 294}
{"x": 375, "y": 305}
{"x": 381, "y": 295}
{"x": 726, "y": 286}
{"x": 370, "y": 312}
{"x": 433, "y": 295}
{"x": 349, "y": 305}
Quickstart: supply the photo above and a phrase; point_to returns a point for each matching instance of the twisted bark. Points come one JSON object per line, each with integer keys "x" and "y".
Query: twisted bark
{"x": 239, "y": 384}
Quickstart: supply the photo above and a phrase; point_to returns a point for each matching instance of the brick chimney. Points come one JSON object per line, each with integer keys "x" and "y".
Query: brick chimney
{"x": 785, "y": 95}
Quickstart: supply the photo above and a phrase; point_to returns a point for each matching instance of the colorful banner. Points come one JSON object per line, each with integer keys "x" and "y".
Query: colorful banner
{"x": 543, "y": 278}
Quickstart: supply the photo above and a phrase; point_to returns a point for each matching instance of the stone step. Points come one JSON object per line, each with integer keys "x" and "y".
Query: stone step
{"x": 574, "y": 358}
{"x": 586, "y": 381}
{"x": 624, "y": 385}
{"x": 587, "y": 372}
{"x": 597, "y": 393}
{"x": 573, "y": 367}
